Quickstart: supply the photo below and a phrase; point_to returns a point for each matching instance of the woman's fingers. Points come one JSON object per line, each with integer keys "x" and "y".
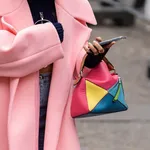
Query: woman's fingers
{"x": 98, "y": 47}
{"x": 93, "y": 48}
{"x": 86, "y": 49}
{"x": 99, "y": 39}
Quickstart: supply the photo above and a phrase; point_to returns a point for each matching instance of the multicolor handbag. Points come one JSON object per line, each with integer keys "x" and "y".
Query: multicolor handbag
{"x": 100, "y": 92}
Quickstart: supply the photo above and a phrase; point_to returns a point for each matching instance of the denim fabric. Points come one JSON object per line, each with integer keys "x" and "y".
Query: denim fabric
{"x": 44, "y": 92}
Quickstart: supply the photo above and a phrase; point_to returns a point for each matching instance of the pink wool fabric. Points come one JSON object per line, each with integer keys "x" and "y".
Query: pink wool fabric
{"x": 25, "y": 48}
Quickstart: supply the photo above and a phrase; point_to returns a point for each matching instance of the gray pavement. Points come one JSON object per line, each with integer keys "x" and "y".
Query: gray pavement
{"x": 126, "y": 130}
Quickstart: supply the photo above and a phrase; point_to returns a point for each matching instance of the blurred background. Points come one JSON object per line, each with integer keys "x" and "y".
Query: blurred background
{"x": 128, "y": 130}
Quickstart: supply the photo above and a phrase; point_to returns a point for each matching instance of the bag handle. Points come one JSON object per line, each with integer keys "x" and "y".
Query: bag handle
{"x": 108, "y": 63}
{"x": 81, "y": 71}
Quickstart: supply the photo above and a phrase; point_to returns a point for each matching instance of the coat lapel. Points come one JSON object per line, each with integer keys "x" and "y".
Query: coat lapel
{"x": 76, "y": 33}
{"x": 80, "y": 9}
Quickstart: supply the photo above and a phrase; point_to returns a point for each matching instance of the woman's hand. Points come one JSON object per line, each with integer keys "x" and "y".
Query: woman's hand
{"x": 96, "y": 48}
{"x": 92, "y": 61}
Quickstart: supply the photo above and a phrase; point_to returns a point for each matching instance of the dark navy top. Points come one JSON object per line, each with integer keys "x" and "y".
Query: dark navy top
{"x": 47, "y": 7}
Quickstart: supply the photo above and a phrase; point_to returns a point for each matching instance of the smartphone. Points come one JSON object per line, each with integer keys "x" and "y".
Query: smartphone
{"x": 107, "y": 42}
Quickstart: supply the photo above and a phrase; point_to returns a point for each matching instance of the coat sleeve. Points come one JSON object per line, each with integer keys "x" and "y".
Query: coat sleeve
{"x": 29, "y": 50}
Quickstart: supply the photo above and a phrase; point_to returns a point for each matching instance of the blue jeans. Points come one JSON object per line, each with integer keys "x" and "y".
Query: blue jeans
{"x": 44, "y": 92}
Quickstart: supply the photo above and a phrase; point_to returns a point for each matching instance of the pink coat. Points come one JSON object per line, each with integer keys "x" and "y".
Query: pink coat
{"x": 24, "y": 50}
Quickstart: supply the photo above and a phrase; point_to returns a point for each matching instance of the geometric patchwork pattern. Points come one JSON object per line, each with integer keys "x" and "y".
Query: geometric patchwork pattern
{"x": 95, "y": 100}
{"x": 94, "y": 94}
{"x": 121, "y": 97}
{"x": 101, "y": 101}
{"x": 113, "y": 90}
{"x": 106, "y": 105}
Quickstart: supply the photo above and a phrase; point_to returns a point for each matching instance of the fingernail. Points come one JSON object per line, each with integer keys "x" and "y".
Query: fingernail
{"x": 99, "y": 37}
{"x": 89, "y": 43}
{"x": 113, "y": 43}
{"x": 101, "y": 51}
{"x": 96, "y": 53}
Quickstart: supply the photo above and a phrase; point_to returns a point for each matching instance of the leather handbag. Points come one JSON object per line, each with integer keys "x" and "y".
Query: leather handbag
{"x": 99, "y": 92}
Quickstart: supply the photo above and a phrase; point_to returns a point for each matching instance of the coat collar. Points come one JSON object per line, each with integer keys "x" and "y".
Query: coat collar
{"x": 80, "y": 9}
{"x": 77, "y": 8}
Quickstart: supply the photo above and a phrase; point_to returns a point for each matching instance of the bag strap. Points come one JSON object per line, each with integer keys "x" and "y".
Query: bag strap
{"x": 109, "y": 65}
{"x": 81, "y": 70}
